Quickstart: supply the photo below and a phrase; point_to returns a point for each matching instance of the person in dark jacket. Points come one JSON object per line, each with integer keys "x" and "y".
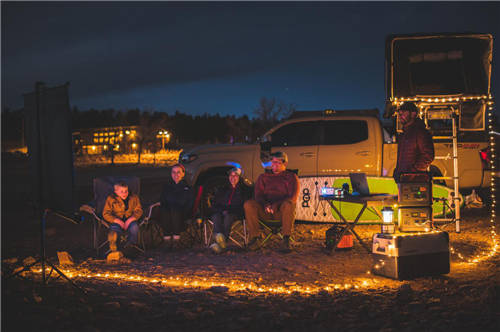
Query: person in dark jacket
{"x": 176, "y": 202}
{"x": 228, "y": 207}
{"x": 415, "y": 146}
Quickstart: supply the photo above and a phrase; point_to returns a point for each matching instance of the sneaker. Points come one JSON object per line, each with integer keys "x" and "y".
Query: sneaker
{"x": 216, "y": 248}
{"x": 254, "y": 244}
{"x": 176, "y": 237}
{"x": 221, "y": 240}
{"x": 112, "y": 237}
{"x": 167, "y": 238}
{"x": 285, "y": 245}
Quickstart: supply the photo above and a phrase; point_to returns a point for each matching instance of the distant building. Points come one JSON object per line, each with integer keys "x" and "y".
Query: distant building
{"x": 100, "y": 140}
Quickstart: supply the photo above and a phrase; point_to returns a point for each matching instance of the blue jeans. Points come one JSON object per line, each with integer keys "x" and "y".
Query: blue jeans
{"x": 223, "y": 222}
{"x": 132, "y": 230}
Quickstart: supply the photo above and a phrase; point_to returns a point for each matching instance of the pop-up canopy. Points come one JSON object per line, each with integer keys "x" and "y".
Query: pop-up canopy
{"x": 437, "y": 65}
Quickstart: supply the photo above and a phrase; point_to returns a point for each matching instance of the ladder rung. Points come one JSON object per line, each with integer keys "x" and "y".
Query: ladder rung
{"x": 442, "y": 137}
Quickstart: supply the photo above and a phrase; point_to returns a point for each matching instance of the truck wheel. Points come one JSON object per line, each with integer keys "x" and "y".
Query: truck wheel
{"x": 210, "y": 187}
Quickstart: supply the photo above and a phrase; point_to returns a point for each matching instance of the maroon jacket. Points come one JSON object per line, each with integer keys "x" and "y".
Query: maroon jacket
{"x": 276, "y": 188}
{"x": 415, "y": 149}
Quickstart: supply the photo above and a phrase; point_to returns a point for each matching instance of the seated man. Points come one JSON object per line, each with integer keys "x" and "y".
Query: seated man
{"x": 176, "y": 202}
{"x": 122, "y": 211}
{"x": 228, "y": 207}
{"x": 276, "y": 195}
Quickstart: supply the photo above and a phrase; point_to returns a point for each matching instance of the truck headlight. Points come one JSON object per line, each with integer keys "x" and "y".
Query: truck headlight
{"x": 187, "y": 158}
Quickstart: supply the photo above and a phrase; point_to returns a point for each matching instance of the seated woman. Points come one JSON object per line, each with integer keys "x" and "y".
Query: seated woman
{"x": 228, "y": 207}
{"x": 122, "y": 211}
{"x": 176, "y": 203}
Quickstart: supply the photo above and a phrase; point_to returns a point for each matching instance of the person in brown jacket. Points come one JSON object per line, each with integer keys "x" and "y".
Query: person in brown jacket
{"x": 122, "y": 211}
{"x": 276, "y": 195}
{"x": 415, "y": 146}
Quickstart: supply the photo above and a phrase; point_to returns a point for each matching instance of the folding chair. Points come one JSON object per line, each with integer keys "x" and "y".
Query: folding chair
{"x": 272, "y": 227}
{"x": 238, "y": 234}
{"x": 194, "y": 228}
{"x": 103, "y": 187}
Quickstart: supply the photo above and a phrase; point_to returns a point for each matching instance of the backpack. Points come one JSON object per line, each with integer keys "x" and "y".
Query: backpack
{"x": 150, "y": 235}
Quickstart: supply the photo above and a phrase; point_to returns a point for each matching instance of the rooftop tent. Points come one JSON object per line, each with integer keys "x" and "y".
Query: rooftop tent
{"x": 436, "y": 65}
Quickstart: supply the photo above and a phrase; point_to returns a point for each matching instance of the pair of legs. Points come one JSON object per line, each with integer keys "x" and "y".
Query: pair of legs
{"x": 223, "y": 222}
{"x": 115, "y": 231}
{"x": 173, "y": 221}
{"x": 255, "y": 212}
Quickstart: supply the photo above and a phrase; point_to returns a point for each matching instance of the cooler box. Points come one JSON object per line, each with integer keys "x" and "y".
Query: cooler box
{"x": 407, "y": 256}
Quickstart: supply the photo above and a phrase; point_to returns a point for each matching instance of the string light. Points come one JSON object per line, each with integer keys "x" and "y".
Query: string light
{"x": 232, "y": 285}
{"x": 400, "y": 100}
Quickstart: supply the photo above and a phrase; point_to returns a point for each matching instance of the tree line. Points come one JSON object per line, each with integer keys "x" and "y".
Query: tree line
{"x": 184, "y": 128}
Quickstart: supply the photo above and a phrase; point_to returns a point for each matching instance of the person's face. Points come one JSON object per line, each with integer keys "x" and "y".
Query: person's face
{"x": 277, "y": 166}
{"x": 406, "y": 117}
{"x": 234, "y": 178}
{"x": 121, "y": 192}
{"x": 177, "y": 174}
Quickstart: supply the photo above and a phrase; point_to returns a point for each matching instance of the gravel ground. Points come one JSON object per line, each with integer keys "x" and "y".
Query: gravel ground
{"x": 343, "y": 294}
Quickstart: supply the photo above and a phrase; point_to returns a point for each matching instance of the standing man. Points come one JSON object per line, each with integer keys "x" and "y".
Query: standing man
{"x": 276, "y": 195}
{"x": 415, "y": 146}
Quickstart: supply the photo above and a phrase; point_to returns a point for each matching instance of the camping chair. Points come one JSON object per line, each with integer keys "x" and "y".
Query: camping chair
{"x": 194, "y": 223}
{"x": 238, "y": 234}
{"x": 103, "y": 187}
{"x": 271, "y": 227}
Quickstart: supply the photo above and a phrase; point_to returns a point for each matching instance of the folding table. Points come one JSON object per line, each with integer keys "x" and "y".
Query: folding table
{"x": 365, "y": 201}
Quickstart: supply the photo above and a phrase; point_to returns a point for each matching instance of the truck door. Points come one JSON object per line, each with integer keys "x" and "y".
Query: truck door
{"x": 299, "y": 141}
{"x": 348, "y": 146}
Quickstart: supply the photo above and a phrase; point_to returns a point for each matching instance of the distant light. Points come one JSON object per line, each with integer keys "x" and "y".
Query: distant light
{"x": 134, "y": 145}
{"x": 160, "y": 132}
{"x": 127, "y": 132}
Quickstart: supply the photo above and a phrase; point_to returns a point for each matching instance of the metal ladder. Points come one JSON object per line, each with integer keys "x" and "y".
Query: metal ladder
{"x": 446, "y": 111}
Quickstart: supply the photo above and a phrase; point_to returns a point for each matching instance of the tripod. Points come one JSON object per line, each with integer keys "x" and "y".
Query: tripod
{"x": 43, "y": 259}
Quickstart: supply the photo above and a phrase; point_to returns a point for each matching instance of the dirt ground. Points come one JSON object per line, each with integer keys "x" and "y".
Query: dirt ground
{"x": 342, "y": 294}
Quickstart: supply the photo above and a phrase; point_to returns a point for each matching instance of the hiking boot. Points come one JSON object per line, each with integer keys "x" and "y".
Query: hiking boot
{"x": 285, "y": 245}
{"x": 221, "y": 240}
{"x": 112, "y": 237}
{"x": 254, "y": 244}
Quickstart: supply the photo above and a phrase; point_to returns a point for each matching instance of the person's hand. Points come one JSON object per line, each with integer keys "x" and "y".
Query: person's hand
{"x": 268, "y": 208}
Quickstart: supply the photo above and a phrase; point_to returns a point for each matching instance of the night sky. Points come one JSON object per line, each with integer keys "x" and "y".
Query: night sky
{"x": 207, "y": 57}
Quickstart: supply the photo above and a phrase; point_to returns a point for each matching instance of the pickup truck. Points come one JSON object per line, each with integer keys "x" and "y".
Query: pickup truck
{"x": 448, "y": 76}
{"x": 330, "y": 143}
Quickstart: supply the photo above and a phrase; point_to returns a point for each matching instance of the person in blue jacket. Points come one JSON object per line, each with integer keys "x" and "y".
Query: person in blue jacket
{"x": 228, "y": 207}
{"x": 176, "y": 203}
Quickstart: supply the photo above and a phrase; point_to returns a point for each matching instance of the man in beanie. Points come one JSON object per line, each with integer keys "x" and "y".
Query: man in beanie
{"x": 415, "y": 146}
{"x": 276, "y": 195}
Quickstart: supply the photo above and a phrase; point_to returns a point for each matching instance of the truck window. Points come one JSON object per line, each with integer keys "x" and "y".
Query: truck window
{"x": 297, "y": 134}
{"x": 339, "y": 132}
